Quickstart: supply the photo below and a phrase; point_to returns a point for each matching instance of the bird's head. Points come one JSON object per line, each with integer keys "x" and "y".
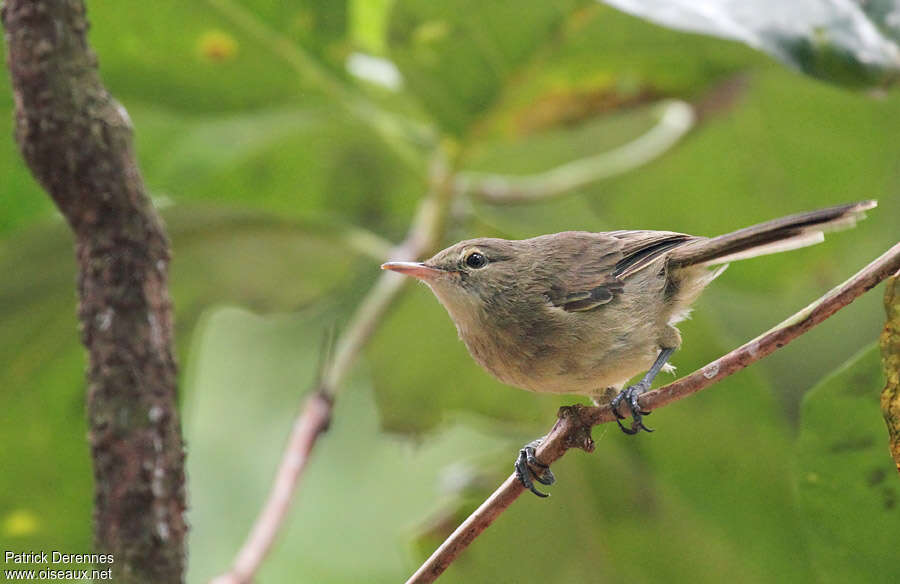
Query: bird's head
{"x": 470, "y": 277}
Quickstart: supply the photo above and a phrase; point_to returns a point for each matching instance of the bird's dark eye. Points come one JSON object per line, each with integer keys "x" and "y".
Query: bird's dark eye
{"x": 476, "y": 260}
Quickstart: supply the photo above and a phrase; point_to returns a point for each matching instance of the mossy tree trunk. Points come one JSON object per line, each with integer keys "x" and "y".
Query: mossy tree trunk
{"x": 77, "y": 140}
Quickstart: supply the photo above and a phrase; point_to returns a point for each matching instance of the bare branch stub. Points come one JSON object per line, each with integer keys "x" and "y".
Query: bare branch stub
{"x": 77, "y": 142}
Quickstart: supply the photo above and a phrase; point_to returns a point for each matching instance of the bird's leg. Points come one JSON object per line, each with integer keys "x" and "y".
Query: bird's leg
{"x": 631, "y": 394}
{"x": 526, "y": 475}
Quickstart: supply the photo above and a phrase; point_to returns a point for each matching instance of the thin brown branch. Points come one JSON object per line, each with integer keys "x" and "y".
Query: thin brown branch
{"x": 424, "y": 234}
{"x": 311, "y": 423}
{"x": 77, "y": 141}
{"x": 573, "y": 426}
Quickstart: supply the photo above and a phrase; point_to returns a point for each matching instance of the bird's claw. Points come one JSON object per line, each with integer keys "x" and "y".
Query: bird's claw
{"x": 526, "y": 462}
{"x": 630, "y": 395}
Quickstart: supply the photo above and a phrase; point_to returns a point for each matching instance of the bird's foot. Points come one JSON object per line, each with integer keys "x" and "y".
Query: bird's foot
{"x": 525, "y": 465}
{"x": 630, "y": 396}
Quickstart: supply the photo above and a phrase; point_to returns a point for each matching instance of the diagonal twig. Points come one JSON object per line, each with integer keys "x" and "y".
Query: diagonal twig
{"x": 424, "y": 234}
{"x": 574, "y": 423}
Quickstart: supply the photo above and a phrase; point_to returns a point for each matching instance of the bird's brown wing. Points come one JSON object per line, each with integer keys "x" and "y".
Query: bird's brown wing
{"x": 579, "y": 268}
{"x": 641, "y": 248}
{"x": 599, "y": 262}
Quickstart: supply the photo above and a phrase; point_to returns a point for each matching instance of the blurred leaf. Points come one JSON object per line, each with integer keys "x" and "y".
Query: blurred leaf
{"x": 286, "y": 161}
{"x": 362, "y": 490}
{"x": 369, "y": 22}
{"x": 846, "y": 481}
{"x": 220, "y": 112}
{"x": 320, "y": 26}
{"x": 317, "y": 69}
{"x": 228, "y": 255}
{"x": 850, "y": 43}
{"x": 154, "y": 53}
{"x": 453, "y": 59}
{"x": 268, "y": 118}
{"x": 602, "y": 61}
{"x": 555, "y": 65}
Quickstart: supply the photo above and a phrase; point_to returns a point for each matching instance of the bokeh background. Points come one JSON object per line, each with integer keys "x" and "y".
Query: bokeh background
{"x": 287, "y": 146}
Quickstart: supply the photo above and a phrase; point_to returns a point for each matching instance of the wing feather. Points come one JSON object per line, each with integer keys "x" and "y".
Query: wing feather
{"x": 598, "y": 263}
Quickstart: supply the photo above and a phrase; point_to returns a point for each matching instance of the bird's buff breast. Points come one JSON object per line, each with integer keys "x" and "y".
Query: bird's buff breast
{"x": 584, "y": 361}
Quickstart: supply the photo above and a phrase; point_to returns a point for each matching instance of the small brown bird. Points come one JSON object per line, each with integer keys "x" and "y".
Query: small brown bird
{"x": 579, "y": 312}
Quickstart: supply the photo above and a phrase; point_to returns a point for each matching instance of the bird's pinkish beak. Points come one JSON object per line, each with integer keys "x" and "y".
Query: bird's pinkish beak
{"x": 414, "y": 269}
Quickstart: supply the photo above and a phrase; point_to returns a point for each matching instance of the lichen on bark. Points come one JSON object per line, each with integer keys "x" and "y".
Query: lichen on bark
{"x": 890, "y": 356}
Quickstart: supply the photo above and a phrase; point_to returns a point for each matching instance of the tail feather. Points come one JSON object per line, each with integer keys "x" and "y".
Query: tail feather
{"x": 773, "y": 236}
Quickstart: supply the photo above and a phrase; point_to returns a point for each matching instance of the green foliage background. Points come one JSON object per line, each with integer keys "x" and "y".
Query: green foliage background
{"x": 268, "y": 161}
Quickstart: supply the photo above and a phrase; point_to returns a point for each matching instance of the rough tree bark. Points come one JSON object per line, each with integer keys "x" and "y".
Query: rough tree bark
{"x": 890, "y": 355}
{"x": 77, "y": 141}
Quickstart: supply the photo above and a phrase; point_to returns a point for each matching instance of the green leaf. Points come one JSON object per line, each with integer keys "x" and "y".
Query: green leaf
{"x": 849, "y": 43}
{"x": 454, "y": 60}
{"x": 287, "y": 161}
{"x": 257, "y": 260}
{"x": 847, "y": 485}
{"x": 193, "y": 57}
{"x": 554, "y": 65}
{"x": 368, "y": 23}
{"x": 223, "y": 111}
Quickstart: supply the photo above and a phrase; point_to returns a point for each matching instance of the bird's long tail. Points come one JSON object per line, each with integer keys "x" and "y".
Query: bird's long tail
{"x": 772, "y": 236}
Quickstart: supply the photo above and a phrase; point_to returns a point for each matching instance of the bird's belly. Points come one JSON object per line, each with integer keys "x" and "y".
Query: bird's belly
{"x": 587, "y": 375}
{"x": 579, "y": 366}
